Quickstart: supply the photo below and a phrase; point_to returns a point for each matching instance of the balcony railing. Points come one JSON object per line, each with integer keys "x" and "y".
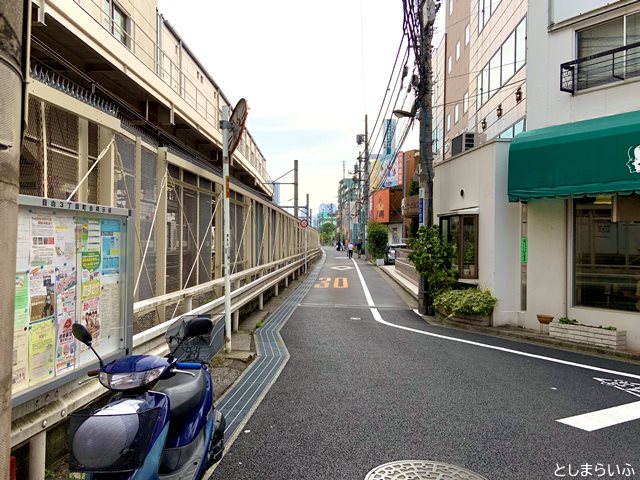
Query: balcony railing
{"x": 600, "y": 69}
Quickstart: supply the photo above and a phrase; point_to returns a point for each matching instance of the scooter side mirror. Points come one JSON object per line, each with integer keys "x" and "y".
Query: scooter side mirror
{"x": 81, "y": 333}
{"x": 195, "y": 327}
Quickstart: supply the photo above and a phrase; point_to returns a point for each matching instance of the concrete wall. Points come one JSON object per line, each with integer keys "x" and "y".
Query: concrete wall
{"x": 546, "y": 275}
{"x": 482, "y": 174}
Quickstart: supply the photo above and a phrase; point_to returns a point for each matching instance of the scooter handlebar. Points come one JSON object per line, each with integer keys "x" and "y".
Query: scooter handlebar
{"x": 189, "y": 365}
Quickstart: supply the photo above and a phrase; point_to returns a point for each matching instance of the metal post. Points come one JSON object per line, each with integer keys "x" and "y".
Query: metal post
{"x": 365, "y": 196}
{"x": 227, "y": 230}
{"x": 14, "y": 64}
{"x": 295, "y": 188}
{"x": 37, "y": 456}
{"x": 305, "y": 235}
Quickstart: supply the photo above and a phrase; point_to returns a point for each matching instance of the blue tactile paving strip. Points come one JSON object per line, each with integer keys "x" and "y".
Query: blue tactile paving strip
{"x": 240, "y": 401}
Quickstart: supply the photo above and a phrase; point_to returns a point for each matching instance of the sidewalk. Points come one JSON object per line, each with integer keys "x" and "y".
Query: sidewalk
{"x": 524, "y": 334}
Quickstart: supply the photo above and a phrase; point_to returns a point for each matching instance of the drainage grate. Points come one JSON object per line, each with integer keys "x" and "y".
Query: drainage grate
{"x": 239, "y": 402}
{"x": 421, "y": 470}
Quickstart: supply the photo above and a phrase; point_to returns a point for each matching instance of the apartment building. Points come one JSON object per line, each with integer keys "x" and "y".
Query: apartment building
{"x": 480, "y": 92}
{"x": 484, "y": 75}
{"x": 576, "y": 171}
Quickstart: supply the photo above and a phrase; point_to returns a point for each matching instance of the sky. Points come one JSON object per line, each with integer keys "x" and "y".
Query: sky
{"x": 310, "y": 72}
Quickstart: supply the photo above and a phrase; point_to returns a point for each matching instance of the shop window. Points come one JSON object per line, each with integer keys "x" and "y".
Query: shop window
{"x": 606, "y": 255}
{"x": 462, "y": 231}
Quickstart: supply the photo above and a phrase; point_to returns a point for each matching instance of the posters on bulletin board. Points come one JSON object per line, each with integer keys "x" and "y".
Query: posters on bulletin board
{"x": 68, "y": 270}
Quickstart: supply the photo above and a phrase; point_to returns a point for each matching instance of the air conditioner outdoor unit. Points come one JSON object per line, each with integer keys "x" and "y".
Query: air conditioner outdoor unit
{"x": 463, "y": 142}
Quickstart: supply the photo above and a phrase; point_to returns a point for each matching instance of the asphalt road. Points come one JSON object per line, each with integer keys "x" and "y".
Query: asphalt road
{"x": 358, "y": 393}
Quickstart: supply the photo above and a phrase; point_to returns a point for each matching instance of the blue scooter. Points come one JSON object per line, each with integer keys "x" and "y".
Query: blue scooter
{"x": 161, "y": 424}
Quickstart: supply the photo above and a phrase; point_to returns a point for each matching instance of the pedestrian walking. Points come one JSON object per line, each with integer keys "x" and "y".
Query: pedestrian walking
{"x": 350, "y": 249}
{"x": 359, "y": 247}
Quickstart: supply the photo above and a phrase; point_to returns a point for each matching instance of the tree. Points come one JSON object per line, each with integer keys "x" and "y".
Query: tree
{"x": 327, "y": 232}
{"x": 433, "y": 258}
{"x": 377, "y": 239}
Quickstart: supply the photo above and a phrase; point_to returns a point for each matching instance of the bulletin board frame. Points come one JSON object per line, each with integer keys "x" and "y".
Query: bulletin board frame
{"x": 74, "y": 263}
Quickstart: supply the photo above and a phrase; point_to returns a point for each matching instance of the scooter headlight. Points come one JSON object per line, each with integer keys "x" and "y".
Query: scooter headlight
{"x": 130, "y": 380}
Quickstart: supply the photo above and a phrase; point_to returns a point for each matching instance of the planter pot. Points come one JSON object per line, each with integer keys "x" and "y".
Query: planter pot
{"x": 379, "y": 262}
{"x": 615, "y": 339}
{"x": 544, "y": 319}
{"x": 478, "y": 320}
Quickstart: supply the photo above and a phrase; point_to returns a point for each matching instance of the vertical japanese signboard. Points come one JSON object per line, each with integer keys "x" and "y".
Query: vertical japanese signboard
{"x": 72, "y": 266}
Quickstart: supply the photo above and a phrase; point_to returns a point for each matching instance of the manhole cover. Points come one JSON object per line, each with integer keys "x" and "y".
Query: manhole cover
{"x": 420, "y": 470}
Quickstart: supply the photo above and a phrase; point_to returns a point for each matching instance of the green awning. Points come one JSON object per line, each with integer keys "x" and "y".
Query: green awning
{"x": 591, "y": 157}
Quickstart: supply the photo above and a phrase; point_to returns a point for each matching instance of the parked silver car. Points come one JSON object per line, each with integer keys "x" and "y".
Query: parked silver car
{"x": 390, "y": 254}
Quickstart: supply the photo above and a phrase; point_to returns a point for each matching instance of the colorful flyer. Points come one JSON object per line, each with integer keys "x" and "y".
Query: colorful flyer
{"x": 41, "y": 293}
{"x": 65, "y": 241}
{"x": 110, "y": 247}
{"x": 20, "y": 363}
{"x": 90, "y": 274}
{"x": 43, "y": 247}
{"x": 65, "y": 343}
{"x": 41, "y": 350}
{"x": 90, "y": 317}
{"x": 65, "y": 279}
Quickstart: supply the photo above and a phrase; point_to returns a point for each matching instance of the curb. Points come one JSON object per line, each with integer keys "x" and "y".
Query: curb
{"x": 619, "y": 355}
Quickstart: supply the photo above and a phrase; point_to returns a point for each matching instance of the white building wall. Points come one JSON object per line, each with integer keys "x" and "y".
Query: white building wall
{"x": 551, "y": 41}
{"x": 546, "y": 272}
{"x": 482, "y": 174}
{"x": 549, "y": 47}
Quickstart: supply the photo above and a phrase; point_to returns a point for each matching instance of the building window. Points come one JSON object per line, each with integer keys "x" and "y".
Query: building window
{"x": 465, "y": 102}
{"x": 600, "y": 38}
{"x": 514, "y": 129}
{"x": 467, "y": 34}
{"x": 449, "y": 65}
{"x": 486, "y": 8}
{"x": 607, "y": 254}
{"x": 450, "y": 7}
{"x": 462, "y": 232}
{"x": 117, "y": 22}
{"x": 448, "y": 122}
{"x": 509, "y": 58}
{"x": 457, "y": 51}
{"x": 456, "y": 114}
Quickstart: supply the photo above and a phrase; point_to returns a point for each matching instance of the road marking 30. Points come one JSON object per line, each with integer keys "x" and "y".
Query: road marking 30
{"x": 338, "y": 282}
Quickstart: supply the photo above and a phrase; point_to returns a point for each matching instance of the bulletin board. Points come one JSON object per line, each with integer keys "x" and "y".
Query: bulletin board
{"x": 73, "y": 265}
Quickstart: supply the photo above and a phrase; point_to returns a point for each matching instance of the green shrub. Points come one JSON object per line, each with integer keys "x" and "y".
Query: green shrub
{"x": 470, "y": 301}
{"x": 567, "y": 321}
{"x": 377, "y": 239}
{"x": 433, "y": 258}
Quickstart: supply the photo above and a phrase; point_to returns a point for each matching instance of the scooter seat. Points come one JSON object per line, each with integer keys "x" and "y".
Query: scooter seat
{"x": 184, "y": 391}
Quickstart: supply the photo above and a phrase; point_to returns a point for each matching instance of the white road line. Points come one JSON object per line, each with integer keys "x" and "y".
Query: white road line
{"x": 378, "y": 318}
{"x": 604, "y": 418}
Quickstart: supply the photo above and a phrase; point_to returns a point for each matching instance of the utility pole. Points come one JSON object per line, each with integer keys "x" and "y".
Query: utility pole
{"x": 295, "y": 188}
{"x": 425, "y": 302}
{"x": 14, "y": 41}
{"x": 305, "y": 234}
{"x": 365, "y": 196}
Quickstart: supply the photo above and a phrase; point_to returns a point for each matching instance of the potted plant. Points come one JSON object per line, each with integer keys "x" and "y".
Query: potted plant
{"x": 469, "y": 305}
{"x": 377, "y": 237}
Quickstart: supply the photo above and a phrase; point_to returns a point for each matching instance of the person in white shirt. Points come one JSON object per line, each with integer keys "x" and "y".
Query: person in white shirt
{"x": 350, "y": 248}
